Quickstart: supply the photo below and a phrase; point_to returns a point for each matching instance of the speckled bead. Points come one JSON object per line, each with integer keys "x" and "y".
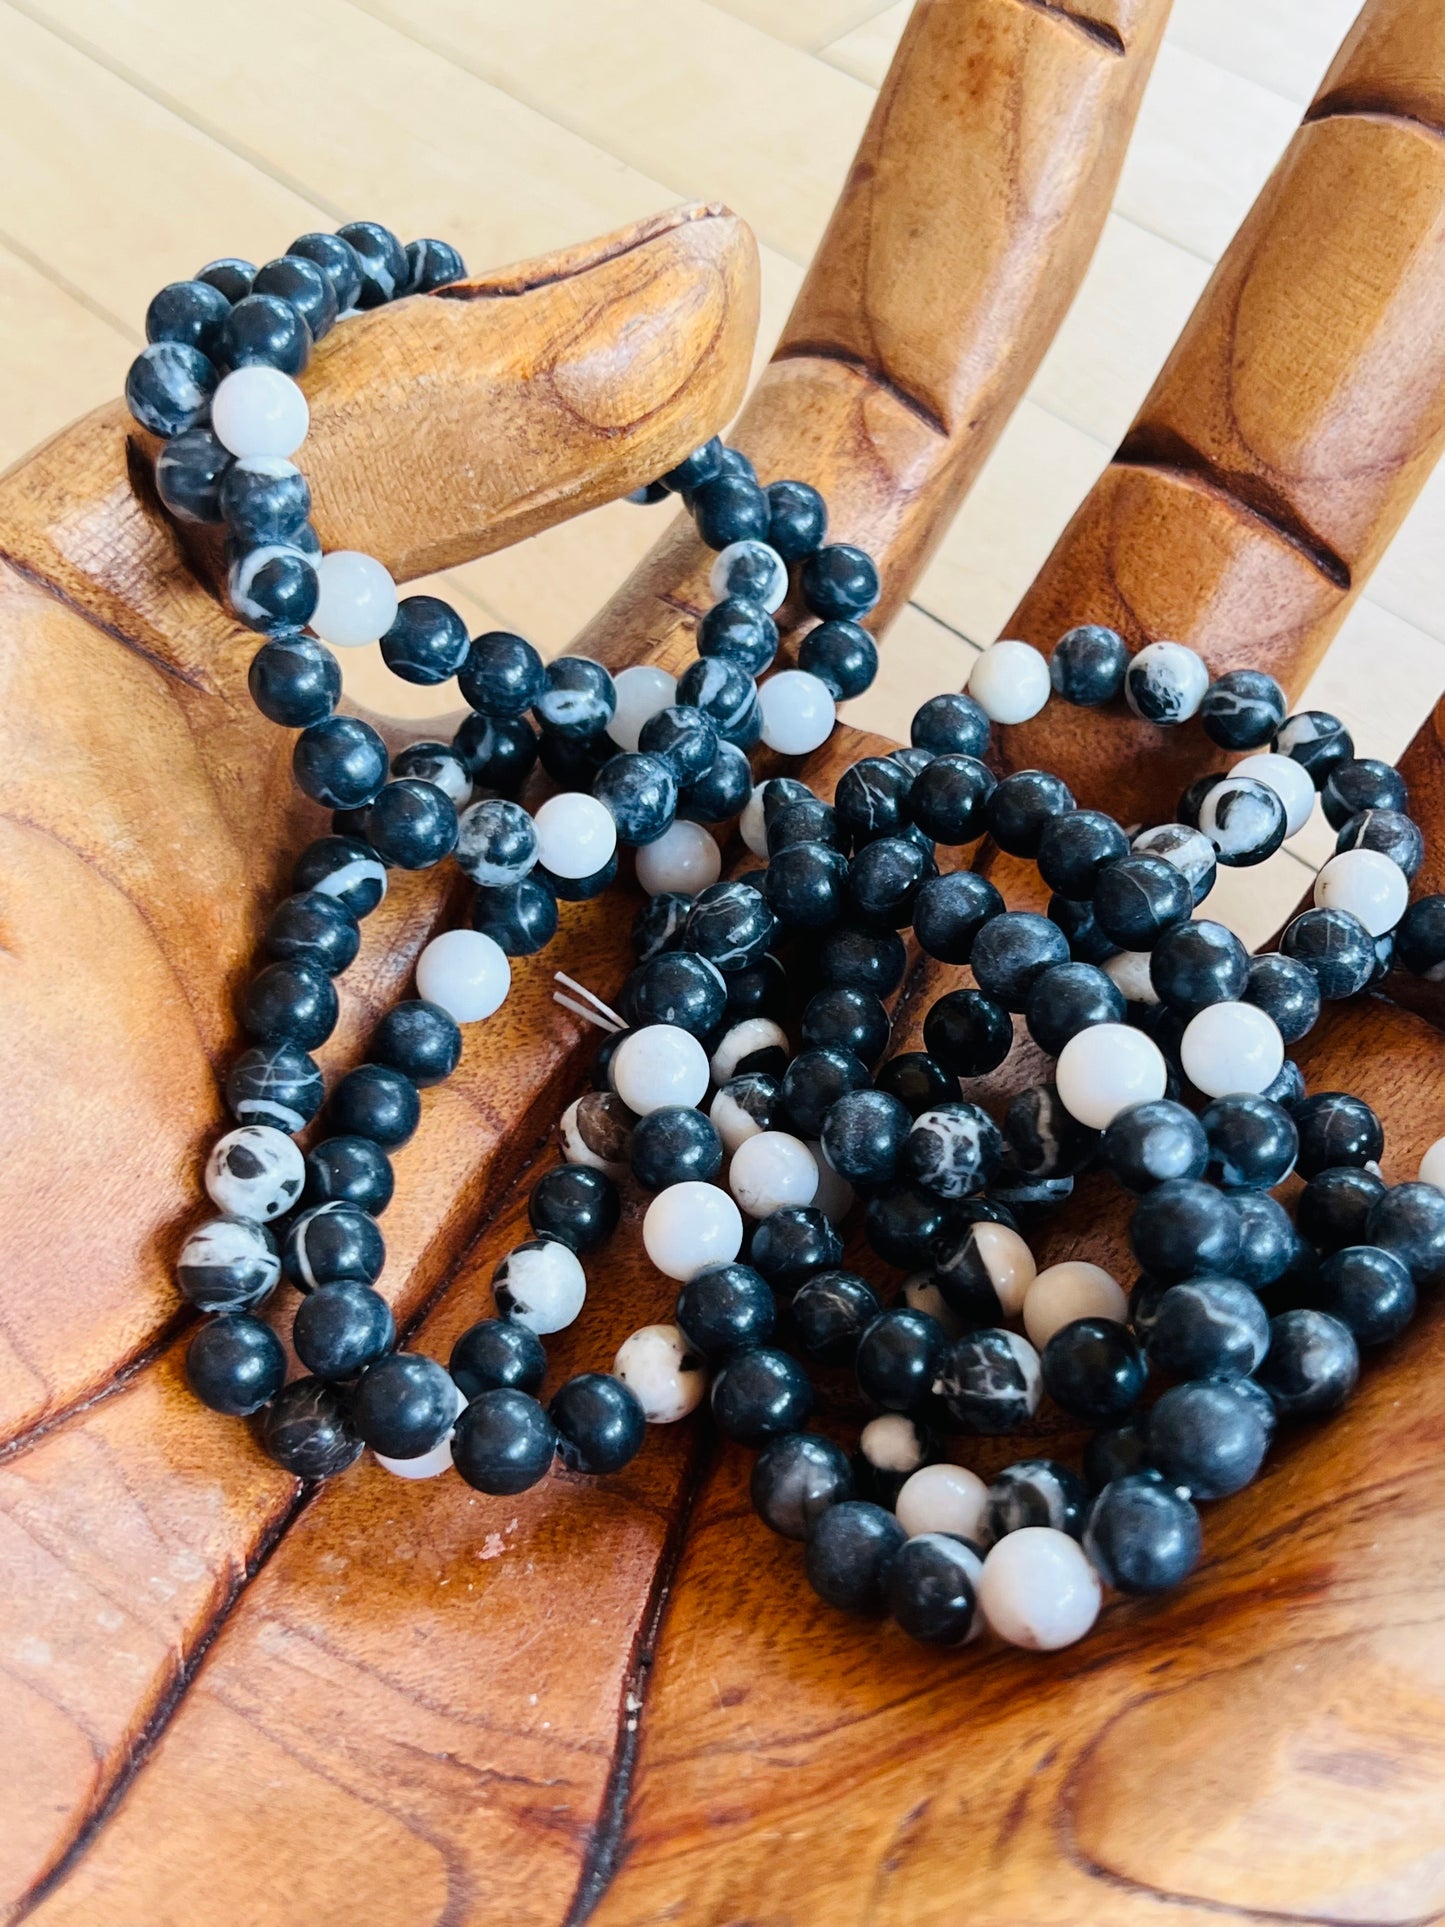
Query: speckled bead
{"x": 952, "y": 1149}
{"x": 255, "y": 1172}
{"x": 666, "y": 1375}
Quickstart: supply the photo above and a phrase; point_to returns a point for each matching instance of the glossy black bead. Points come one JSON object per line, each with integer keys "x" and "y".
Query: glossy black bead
{"x": 1410, "y": 1222}
{"x": 949, "y": 799}
{"x": 791, "y": 1244}
{"x": 1335, "y": 947}
{"x": 420, "y": 1039}
{"x": 502, "y": 675}
{"x": 903, "y": 1222}
{"x": 795, "y": 1479}
{"x": 863, "y": 959}
{"x": 600, "y": 1423}
{"x": 726, "y": 694}
{"x": 729, "y": 925}
{"x": 1068, "y": 998}
{"x": 1313, "y": 1364}
{"x": 312, "y": 928}
{"x": 1362, "y": 783}
{"x": 307, "y": 1429}
{"x": 498, "y": 752}
{"x": 1268, "y": 1246}
{"x": 851, "y": 1551}
{"x": 497, "y": 1354}
{"x": 1088, "y": 665}
{"x": 758, "y": 1395}
{"x": 428, "y": 642}
{"x": 918, "y": 1080}
{"x": 1242, "y": 709}
{"x": 871, "y": 798}
{"x": 189, "y": 471}
{"x": 412, "y": 824}
{"x": 756, "y": 1094}
{"x": 722, "y": 790}
{"x": 337, "y": 261}
{"x": 1287, "y": 990}
{"x": 842, "y": 655}
{"x": 932, "y": 1589}
{"x": 576, "y": 1205}
{"x": 352, "y": 1169}
{"x": 803, "y": 819}
{"x": 294, "y": 681}
{"x": 1182, "y": 1228}
{"x": 1012, "y": 951}
{"x": 1253, "y": 1142}
{"x": 381, "y": 258}
{"x": 739, "y": 632}
{"x": 1369, "y": 1290}
{"x": 378, "y": 1102}
{"x": 1204, "y": 1437}
{"x": 521, "y": 918}
{"x": 674, "y": 1145}
{"x": 724, "y": 1309}
{"x": 576, "y": 700}
{"x": 1208, "y": 1328}
{"x": 848, "y": 1019}
{"x": 234, "y": 1364}
{"x": 950, "y": 911}
{"x": 814, "y": 1082}
{"x": 1316, "y": 740}
{"x": 290, "y": 1003}
{"x": 806, "y": 886}
{"x": 261, "y": 330}
{"x": 884, "y": 879}
{"x": 683, "y": 740}
{"x": 1093, "y": 1369}
{"x": 293, "y": 279}
{"x": 1150, "y": 1144}
{"x": 697, "y": 468}
{"x": 274, "y": 1084}
{"x": 168, "y": 388}
{"x": 341, "y": 762}
{"x": 639, "y": 793}
{"x": 839, "y": 582}
{"x": 730, "y": 508}
{"x": 1021, "y": 808}
{"x": 432, "y": 264}
{"x": 1074, "y": 848}
{"x": 230, "y": 275}
{"x": 1420, "y": 937}
{"x": 1331, "y": 1210}
{"x": 659, "y": 925}
{"x": 190, "y": 312}
{"x": 1198, "y": 963}
{"x": 1336, "y": 1128}
{"x": 404, "y": 1404}
{"x": 342, "y": 1328}
{"x": 899, "y": 1355}
{"x": 678, "y": 987}
{"x": 829, "y": 1313}
{"x": 272, "y": 589}
{"x": 504, "y": 1442}
{"x": 1143, "y": 1536}
{"x": 1138, "y": 899}
{"x": 950, "y": 724}
{"x": 1390, "y": 832}
{"x": 863, "y": 1137}
{"x": 797, "y": 520}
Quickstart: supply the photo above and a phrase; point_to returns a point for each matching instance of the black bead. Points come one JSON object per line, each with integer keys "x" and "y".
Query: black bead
{"x": 600, "y": 1423}
{"x": 352, "y": 1169}
{"x": 1093, "y": 1369}
{"x": 190, "y": 312}
{"x": 1267, "y": 1242}
{"x": 497, "y": 1354}
{"x": 1242, "y": 709}
{"x": 950, "y": 724}
{"x": 342, "y": 1328}
{"x": 1206, "y": 1438}
{"x": 1208, "y": 1328}
{"x": 1335, "y": 947}
{"x": 899, "y": 1355}
{"x": 332, "y": 1241}
{"x": 577, "y": 699}
{"x": 189, "y": 471}
{"x": 1313, "y": 1364}
{"x": 306, "y": 1428}
{"x": 904, "y": 1222}
{"x": 791, "y": 1244}
{"x": 1253, "y": 1143}
{"x": 839, "y": 582}
{"x": 1149, "y": 1144}
{"x": 871, "y": 798}
{"x": 639, "y": 793}
{"x": 659, "y": 925}
{"x": 521, "y": 918}
{"x": 502, "y": 675}
{"x": 806, "y": 886}
{"x": 697, "y": 468}
{"x": 312, "y": 928}
{"x": 343, "y": 867}
{"x": 1335, "y": 1128}
{"x": 842, "y": 655}
{"x": 272, "y": 589}
{"x": 829, "y": 1312}
{"x": 724, "y": 1309}
{"x": 274, "y": 1084}
{"x": 847, "y": 1019}
{"x": 1115, "y": 1453}
{"x": 1087, "y": 942}
{"x": 1287, "y": 991}
{"x": 575, "y": 1204}
{"x": 1143, "y": 1536}
{"x": 863, "y": 1137}
{"x": 1021, "y": 808}
{"x": 726, "y": 694}
{"x": 803, "y": 819}
{"x": 678, "y": 987}
{"x": 412, "y": 824}
{"x": 884, "y": 879}
{"x": 504, "y": 1442}
{"x": 1331, "y": 1210}
{"x": 262, "y": 330}
{"x": 420, "y": 1039}
{"x": 932, "y": 1589}
{"x": 234, "y": 1364}
{"x": 1362, "y": 783}
{"x": 1181, "y": 1228}
{"x": 341, "y": 762}
{"x": 336, "y": 260}
{"x": 1410, "y": 1222}
{"x": 1420, "y": 937}
{"x": 722, "y": 790}
{"x": 950, "y": 911}
{"x": 674, "y": 1145}
{"x": 427, "y": 643}
{"x": 1013, "y": 951}
{"x": 1315, "y": 740}
{"x": 300, "y": 282}
{"x": 1075, "y": 847}
{"x": 1043, "y": 1140}
{"x": 1288, "y": 1087}
{"x": 1369, "y": 1290}
{"x": 1390, "y": 832}
{"x": 759, "y": 1394}
{"x": 863, "y": 959}
{"x": 432, "y": 264}
{"x": 796, "y": 1478}
{"x": 1088, "y": 665}
{"x": 377, "y": 1102}
{"x": 1068, "y": 998}
{"x": 1198, "y": 963}
{"x": 851, "y": 1552}
{"x": 682, "y": 739}
{"x": 381, "y": 258}
{"x": 949, "y": 799}
{"x": 168, "y": 388}
{"x": 990, "y": 1382}
{"x": 230, "y": 275}
{"x": 404, "y": 1405}
{"x": 290, "y": 1003}
{"x": 797, "y": 520}
{"x": 730, "y": 508}
{"x": 738, "y": 632}
{"x": 295, "y": 681}
{"x": 1138, "y": 899}
{"x": 729, "y": 925}
{"x": 918, "y": 1080}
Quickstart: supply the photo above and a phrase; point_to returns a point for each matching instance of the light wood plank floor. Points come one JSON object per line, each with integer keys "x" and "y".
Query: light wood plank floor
{"x": 141, "y": 137}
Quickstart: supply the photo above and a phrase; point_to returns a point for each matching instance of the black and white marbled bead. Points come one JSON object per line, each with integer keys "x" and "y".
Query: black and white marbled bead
{"x": 578, "y": 698}
{"x": 497, "y": 843}
{"x": 1316, "y": 740}
{"x": 436, "y": 763}
{"x": 255, "y": 1172}
{"x": 725, "y": 693}
{"x": 381, "y": 259}
{"x": 984, "y": 1272}
{"x": 744, "y": 1105}
{"x": 343, "y": 867}
{"x": 169, "y": 388}
{"x": 751, "y": 572}
{"x": 952, "y": 1149}
{"x": 189, "y": 472}
{"x": 991, "y": 1381}
{"x": 431, "y": 264}
{"x": 1243, "y": 819}
{"x": 1209, "y": 1328}
{"x": 1088, "y": 665}
{"x": 1388, "y": 832}
{"x": 428, "y": 641}
{"x": 1187, "y": 848}
{"x": 596, "y": 1129}
{"x": 305, "y": 1429}
{"x": 1036, "y": 1492}
{"x": 540, "y": 1284}
{"x": 273, "y": 588}
{"x": 333, "y": 1241}
{"x": 1166, "y": 682}
{"x": 274, "y": 1084}
{"x": 264, "y": 500}
{"x": 1242, "y": 709}
{"x": 730, "y": 925}
{"x": 228, "y": 1264}
{"x": 1043, "y": 1139}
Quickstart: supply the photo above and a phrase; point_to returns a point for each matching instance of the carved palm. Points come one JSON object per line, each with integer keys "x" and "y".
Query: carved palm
{"x": 236, "y": 1700}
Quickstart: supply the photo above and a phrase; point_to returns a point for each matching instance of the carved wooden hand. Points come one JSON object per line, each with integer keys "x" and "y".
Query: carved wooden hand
{"x": 238, "y": 1701}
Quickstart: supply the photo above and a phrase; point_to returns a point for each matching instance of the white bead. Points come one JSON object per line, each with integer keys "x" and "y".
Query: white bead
{"x": 750, "y": 1034}
{"x": 1106, "y": 1068}
{"x": 1290, "y": 781}
{"x": 657, "y": 1066}
{"x": 689, "y": 1226}
{"x": 891, "y": 1443}
{"x": 1038, "y": 1590}
{"x": 752, "y": 824}
{"x": 466, "y": 972}
{"x": 1367, "y": 883}
{"x": 1128, "y": 971}
{"x": 834, "y": 1196}
{"x": 1010, "y": 682}
{"x": 255, "y": 1172}
{"x": 775, "y": 584}
{"x": 541, "y": 1284}
{"x": 943, "y": 1498}
{"x": 1074, "y": 1289}
{"x": 770, "y": 1171}
{"x": 259, "y": 411}
{"x": 798, "y": 712}
{"x": 642, "y": 692}
{"x": 667, "y": 1377}
{"x": 1166, "y": 682}
{"x": 732, "y": 1123}
{"x": 1432, "y": 1165}
{"x": 430, "y": 1464}
{"x": 357, "y": 602}
{"x": 576, "y": 835}
{"x": 1231, "y": 1048}
{"x": 684, "y": 859}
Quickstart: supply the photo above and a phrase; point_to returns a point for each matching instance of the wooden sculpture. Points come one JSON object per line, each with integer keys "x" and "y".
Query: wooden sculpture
{"x": 237, "y": 1701}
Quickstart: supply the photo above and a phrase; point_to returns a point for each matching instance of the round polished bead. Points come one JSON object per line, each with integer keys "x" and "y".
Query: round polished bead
{"x": 642, "y": 692}
{"x": 1009, "y": 682}
{"x": 863, "y": 1135}
{"x": 1244, "y": 819}
{"x": 342, "y": 1328}
{"x": 751, "y": 1044}
{"x": 258, "y": 410}
{"x": 751, "y": 572}
{"x": 723, "y": 787}
{"x": 848, "y": 1019}
{"x": 950, "y": 912}
{"x": 639, "y": 793}
{"x": 830, "y": 1312}
{"x": 1139, "y": 898}
{"x": 466, "y": 973}
{"x": 903, "y": 1222}
{"x": 724, "y": 1309}
{"x": 228, "y": 1264}
{"x": 1012, "y": 951}
{"x": 293, "y": 1003}
{"x": 337, "y": 261}
{"x": 804, "y": 819}
{"x": 1093, "y": 1369}
{"x": 1243, "y": 709}
{"x": 577, "y": 698}
{"x": 1290, "y": 783}
{"x": 1189, "y": 850}
{"x": 933, "y": 1590}
{"x": 596, "y": 1130}
{"x": 504, "y": 1442}
{"x": 502, "y": 675}
{"x": 950, "y": 724}
{"x": 863, "y": 959}
{"x": 726, "y": 695}
{"x": 943, "y": 1498}
{"x": 842, "y": 656}
{"x": 1316, "y": 740}
{"x": 1075, "y": 847}
{"x": 189, "y": 471}
{"x": 1209, "y": 1328}
{"x": 985, "y": 1273}
{"x": 262, "y": 330}
{"x": 1420, "y": 939}
{"x": 1206, "y": 1439}
{"x": 301, "y": 283}
{"x": 813, "y": 1083}
{"x": 1035, "y": 1492}
{"x": 274, "y": 1084}
{"x": 949, "y": 799}
{"x": 899, "y": 1355}
{"x": 576, "y": 1204}
{"x": 699, "y": 467}
{"x": 969, "y": 1033}
{"x": 1166, "y": 683}
{"x": 169, "y": 388}
{"x": 1409, "y": 1220}
{"x": 798, "y": 712}
{"x": 740, "y": 632}
{"x": 771, "y": 1170}
{"x": 952, "y": 1149}
{"x": 797, "y": 519}
{"x": 793, "y": 1244}
{"x": 1143, "y": 1536}
{"x": 744, "y": 1105}
{"x": 294, "y": 681}
{"x": 760, "y": 1395}
{"x": 377, "y": 1102}
{"x": 235, "y": 1364}
{"x": 432, "y": 1463}
{"x": 1043, "y": 1141}
{"x": 264, "y": 499}
{"x": 1337, "y": 1129}
{"x": 1332, "y": 1209}
{"x": 306, "y": 1428}
{"x": 1063, "y": 1293}
{"x": 1067, "y": 999}
{"x": 1149, "y": 1143}
{"x": 427, "y": 641}
{"x": 1038, "y": 1590}
{"x": 729, "y": 924}
{"x": 1105, "y": 1069}
{"x": 690, "y": 1226}
{"x": 573, "y": 836}
{"x": 1199, "y": 963}
{"x": 796, "y": 1478}
{"x": 341, "y": 762}
{"x": 520, "y": 918}
{"x": 1387, "y": 832}
{"x": 272, "y": 588}
{"x": 1253, "y": 1142}
{"x": 1231, "y": 1047}
{"x": 420, "y": 1039}
{"x": 357, "y": 601}
{"x": 412, "y": 824}
{"x": 872, "y": 798}
{"x": 806, "y": 886}
{"x": 1336, "y": 947}
{"x": 497, "y": 752}
{"x": 1287, "y": 991}
{"x": 230, "y": 276}
{"x": 1362, "y": 783}
{"x": 600, "y": 1423}
{"x": 917, "y": 1080}
{"x": 497, "y": 1353}
{"x": 1088, "y": 665}
{"x": 664, "y": 1373}
{"x": 659, "y": 1065}
{"x": 1182, "y": 1228}
{"x": 990, "y": 1381}
{"x": 255, "y": 1172}
{"x": 540, "y": 1284}
{"x": 684, "y": 861}
{"x": 381, "y": 259}
{"x": 1368, "y": 885}
{"x": 190, "y": 312}
{"x": 351, "y": 1169}
{"x": 839, "y": 582}
{"x": 333, "y": 1241}
{"x": 674, "y": 1145}
{"x": 1369, "y": 1290}
{"x": 1432, "y": 1165}
{"x": 1312, "y": 1366}
{"x": 658, "y": 925}
{"x": 851, "y": 1551}
{"x": 1267, "y": 1242}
